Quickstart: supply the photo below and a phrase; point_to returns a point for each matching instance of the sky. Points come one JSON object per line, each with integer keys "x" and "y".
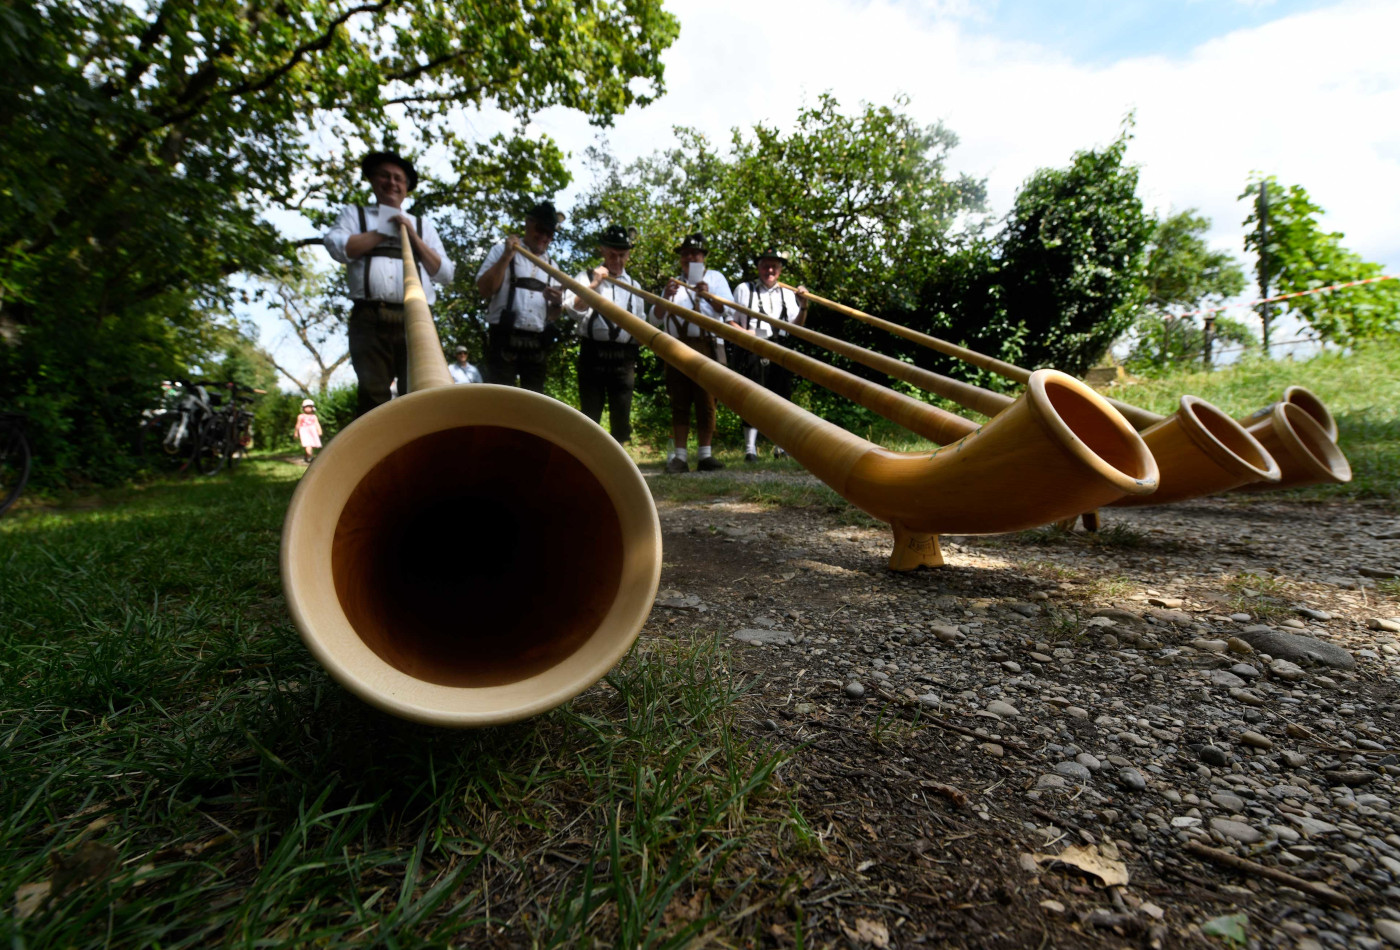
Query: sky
{"x": 1306, "y": 91}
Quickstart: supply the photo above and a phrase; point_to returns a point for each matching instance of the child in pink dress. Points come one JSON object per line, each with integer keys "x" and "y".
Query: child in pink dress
{"x": 308, "y": 429}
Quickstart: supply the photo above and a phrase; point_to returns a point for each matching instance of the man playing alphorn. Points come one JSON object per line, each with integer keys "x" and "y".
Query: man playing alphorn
{"x": 607, "y": 363}
{"x": 768, "y": 298}
{"x": 683, "y": 392}
{"x": 522, "y": 304}
{"x": 366, "y": 240}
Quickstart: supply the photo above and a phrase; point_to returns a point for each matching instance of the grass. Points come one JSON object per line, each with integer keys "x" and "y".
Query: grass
{"x": 176, "y": 771}
{"x": 1361, "y": 388}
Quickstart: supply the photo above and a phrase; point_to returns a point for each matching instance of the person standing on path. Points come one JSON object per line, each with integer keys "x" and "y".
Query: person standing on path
{"x": 522, "y": 304}
{"x": 766, "y": 296}
{"x": 685, "y": 393}
{"x": 607, "y": 363}
{"x": 308, "y": 430}
{"x": 366, "y": 241}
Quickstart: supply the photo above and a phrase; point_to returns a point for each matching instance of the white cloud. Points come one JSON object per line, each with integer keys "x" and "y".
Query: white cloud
{"x": 1309, "y": 97}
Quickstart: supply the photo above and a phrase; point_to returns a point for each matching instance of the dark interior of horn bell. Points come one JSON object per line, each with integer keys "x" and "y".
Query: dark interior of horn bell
{"x": 1097, "y": 429}
{"x": 1230, "y": 434}
{"x": 477, "y": 556}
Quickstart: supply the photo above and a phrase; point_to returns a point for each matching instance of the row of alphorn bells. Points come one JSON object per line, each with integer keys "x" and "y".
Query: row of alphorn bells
{"x": 567, "y": 562}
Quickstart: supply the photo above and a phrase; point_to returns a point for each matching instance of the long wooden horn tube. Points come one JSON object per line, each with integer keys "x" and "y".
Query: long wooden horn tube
{"x": 1199, "y": 450}
{"x": 968, "y": 396}
{"x": 1204, "y": 433}
{"x": 497, "y": 628}
{"x": 937, "y": 425}
{"x": 1139, "y": 417}
{"x": 1057, "y": 448}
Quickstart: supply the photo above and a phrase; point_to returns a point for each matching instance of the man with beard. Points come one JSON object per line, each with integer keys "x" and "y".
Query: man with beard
{"x": 685, "y": 393}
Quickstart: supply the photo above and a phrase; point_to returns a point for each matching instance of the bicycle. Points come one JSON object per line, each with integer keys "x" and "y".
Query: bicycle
{"x": 15, "y": 458}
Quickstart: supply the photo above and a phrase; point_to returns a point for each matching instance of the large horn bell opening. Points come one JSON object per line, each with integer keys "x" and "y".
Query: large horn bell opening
{"x": 1202, "y": 451}
{"x": 1306, "y": 455}
{"x": 471, "y": 555}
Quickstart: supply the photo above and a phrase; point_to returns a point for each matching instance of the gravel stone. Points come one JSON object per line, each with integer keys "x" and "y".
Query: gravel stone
{"x": 1214, "y": 755}
{"x": 1131, "y": 779}
{"x": 1290, "y": 646}
{"x": 1236, "y": 830}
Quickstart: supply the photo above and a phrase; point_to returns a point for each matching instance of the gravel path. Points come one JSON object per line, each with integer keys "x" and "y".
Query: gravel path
{"x": 982, "y": 747}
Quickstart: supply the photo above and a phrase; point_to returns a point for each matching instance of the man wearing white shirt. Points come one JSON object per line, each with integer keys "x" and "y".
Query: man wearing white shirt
{"x": 766, "y": 296}
{"x": 523, "y": 303}
{"x": 607, "y": 364}
{"x": 366, "y": 240}
{"x": 683, "y": 391}
{"x": 461, "y": 368}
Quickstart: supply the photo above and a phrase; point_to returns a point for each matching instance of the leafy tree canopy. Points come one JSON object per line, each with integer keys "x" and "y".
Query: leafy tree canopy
{"x": 1183, "y": 275}
{"x": 144, "y": 141}
{"x": 1062, "y": 278}
{"x": 1295, "y": 255}
{"x": 861, "y": 200}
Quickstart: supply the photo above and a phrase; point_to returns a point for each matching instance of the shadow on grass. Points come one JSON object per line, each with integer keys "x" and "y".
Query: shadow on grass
{"x": 162, "y": 712}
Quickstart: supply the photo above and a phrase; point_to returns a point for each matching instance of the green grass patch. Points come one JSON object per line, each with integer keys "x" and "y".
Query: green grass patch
{"x": 1361, "y": 388}
{"x": 176, "y": 771}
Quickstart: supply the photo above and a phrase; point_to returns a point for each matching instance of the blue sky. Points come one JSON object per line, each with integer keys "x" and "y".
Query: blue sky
{"x": 1097, "y": 33}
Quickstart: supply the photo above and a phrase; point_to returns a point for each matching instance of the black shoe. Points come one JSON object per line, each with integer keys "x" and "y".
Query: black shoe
{"x": 709, "y": 464}
{"x": 779, "y": 452}
{"x": 677, "y": 466}
{"x": 750, "y": 457}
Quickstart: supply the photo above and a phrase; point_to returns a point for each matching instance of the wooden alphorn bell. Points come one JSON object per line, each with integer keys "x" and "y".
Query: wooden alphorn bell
{"x": 1301, "y": 440}
{"x": 545, "y": 598}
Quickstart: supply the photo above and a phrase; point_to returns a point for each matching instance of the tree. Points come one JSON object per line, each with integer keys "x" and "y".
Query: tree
{"x": 1184, "y": 275}
{"x": 862, "y": 200}
{"x": 144, "y": 140}
{"x": 312, "y": 304}
{"x": 1059, "y": 281}
{"x": 1071, "y": 258}
{"x": 1296, "y": 255}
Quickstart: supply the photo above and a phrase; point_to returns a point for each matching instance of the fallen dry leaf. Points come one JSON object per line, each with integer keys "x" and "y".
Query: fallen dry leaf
{"x": 30, "y": 897}
{"x": 1089, "y": 860}
{"x": 868, "y": 931}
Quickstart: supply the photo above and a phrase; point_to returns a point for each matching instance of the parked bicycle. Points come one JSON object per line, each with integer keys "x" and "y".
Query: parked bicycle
{"x": 202, "y": 424}
{"x": 15, "y": 459}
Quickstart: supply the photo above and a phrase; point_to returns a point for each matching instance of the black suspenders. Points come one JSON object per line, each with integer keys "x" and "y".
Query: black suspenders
{"x": 385, "y": 251}
{"x": 614, "y": 331}
{"x": 758, "y": 305}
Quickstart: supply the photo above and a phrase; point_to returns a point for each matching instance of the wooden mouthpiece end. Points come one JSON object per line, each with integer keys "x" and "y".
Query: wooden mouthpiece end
{"x": 914, "y": 549}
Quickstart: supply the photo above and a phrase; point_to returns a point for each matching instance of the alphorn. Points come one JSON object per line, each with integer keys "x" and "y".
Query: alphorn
{"x": 544, "y": 599}
{"x": 1199, "y": 450}
{"x": 1055, "y": 448}
{"x": 1303, "y": 456}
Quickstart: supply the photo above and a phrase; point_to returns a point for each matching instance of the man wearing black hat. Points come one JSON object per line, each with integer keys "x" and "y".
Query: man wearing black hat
{"x": 769, "y": 298}
{"x": 366, "y": 240}
{"x": 683, "y": 391}
{"x": 607, "y": 360}
{"x": 522, "y": 304}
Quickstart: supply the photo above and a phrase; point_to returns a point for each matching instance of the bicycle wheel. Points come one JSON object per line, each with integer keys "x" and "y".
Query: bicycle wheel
{"x": 209, "y": 452}
{"x": 14, "y": 463}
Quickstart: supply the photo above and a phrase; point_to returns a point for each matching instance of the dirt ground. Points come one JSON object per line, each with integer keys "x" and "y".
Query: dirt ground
{"x": 926, "y": 800}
